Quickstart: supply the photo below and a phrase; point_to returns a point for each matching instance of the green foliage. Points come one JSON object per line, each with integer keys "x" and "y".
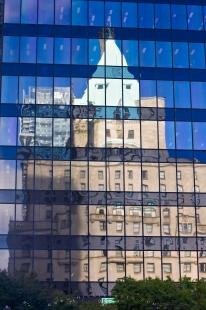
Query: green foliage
{"x": 156, "y": 294}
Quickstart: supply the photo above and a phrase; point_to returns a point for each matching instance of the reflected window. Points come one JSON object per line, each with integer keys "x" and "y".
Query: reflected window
{"x": 198, "y": 94}
{"x": 28, "y": 50}
{"x": 197, "y": 55}
{"x": 95, "y": 51}
{"x": 79, "y": 51}
{"x": 165, "y": 92}
{"x": 45, "y": 50}
{"x": 178, "y": 16}
{"x": 162, "y": 16}
{"x": 112, "y": 14}
{"x": 62, "y": 12}
{"x": 8, "y": 130}
{"x": 130, "y": 52}
{"x": 8, "y": 83}
{"x": 163, "y": 54}
{"x": 183, "y": 135}
{"x": 146, "y": 15}
{"x": 96, "y": 18}
{"x": 194, "y": 17}
{"x": 27, "y": 90}
{"x": 11, "y": 49}
{"x": 61, "y": 91}
{"x": 12, "y": 11}
{"x": 28, "y": 11}
{"x": 182, "y": 94}
{"x": 44, "y": 92}
{"x": 46, "y": 12}
{"x": 180, "y": 55}
{"x": 129, "y": 14}
{"x": 147, "y": 53}
{"x": 79, "y": 12}
{"x": 199, "y": 136}
{"x": 62, "y": 51}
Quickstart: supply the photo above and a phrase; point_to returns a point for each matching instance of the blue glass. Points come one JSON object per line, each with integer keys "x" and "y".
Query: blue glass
{"x": 96, "y": 18}
{"x": 199, "y": 137}
{"x": 147, "y": 53}
{"x": 44, "y": 91}
{"x": 197, "y": 55}
{"x": 62, "y": 91}
{"x": 170, "y": 135}
{"x": 182, "y": 94}
{"x": 79, "y": 51}
{"x": 130, "y": 52}
{"x": 11, "y": 49}
{"x": 180, "y": 55}
{"x": 162, "y": 16}
{"x": 129, "y": 14}
{"x": 28, "y": 50}
{"x": 163, "y": 54}
{"x": 195, "y": 17}
{"x": 45, "y": 50}
{"x": 147, "y": 88}
{"x": 79, "y": 12}
{"x": 183, "y": 135}
{"x": 63, "y": 12}
{"x": 146, "y": 15}
{"x": 95, "y": 51}
{"x": 62, "y": 50}
{"x": 46, "y": 12}
{"x": 29, "y": 11}
{"x": 12, "y": 11}
{"x": 112, "y": 14}
{"x": 198, "y": 95}
{"x": 27, "y": 90}
{"x": 9, "y": 83}
{"x": 165, "y": 91}
{"x": 178, "y": 16}
{"x": 8, "y": 129}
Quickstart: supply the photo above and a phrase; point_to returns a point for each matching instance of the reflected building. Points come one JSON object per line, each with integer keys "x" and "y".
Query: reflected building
{"x": 102, "y": 157}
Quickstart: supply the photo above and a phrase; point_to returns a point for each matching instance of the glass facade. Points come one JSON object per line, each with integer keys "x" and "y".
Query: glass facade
{"x": 103, "y": 141}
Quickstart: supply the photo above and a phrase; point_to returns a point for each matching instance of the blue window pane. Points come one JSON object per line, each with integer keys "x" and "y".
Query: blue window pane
{"x": 130, "y": 52}
{"x": 178, "y": 16}
{"x": 146, "y": 15}
{"x": 63, "y": 12}
{"x": 79, "y": 51}
{"x": 62, "y": 91}
{"x": 95, "y": 51}
{"x": 194, "y": 17}
{"x": 45, "y": 50}
{"x": 170, "y": 135}
{"x": 165, "y": 91}
{"x": 182, "y": 94}
{"x": 198, "y": 95}
{"x": 112, "y": 14}
{"x": 8, "y": 129}
{"x": 44, "y": 92}
{"x": 147, "y": 88}
{"x": 28, "y": 50}
{"x": 46, "y": 12}
{"x": 162, "y": 16}
{"x": 147, "y": 53}
{"x": 129, "y": 14}
{"x": 62, "y": 51}
{"x": 11, "y": 49}
{"x": 9, "y": 83}
{"x": 79, "y": 12}
{"x": 8, "y": 172}
{"x": 180, "y": 55}
{"x": 197, "y": 55}
{"x": 12, "y": 11}
{"x": 96, "y": 18}
{"x": 163, "y": 54}
{"x": 199, "y": 137}
{"x": 27, "y": 90}
{"x": 183, "y": 135}
{"x": 29, "y": 11}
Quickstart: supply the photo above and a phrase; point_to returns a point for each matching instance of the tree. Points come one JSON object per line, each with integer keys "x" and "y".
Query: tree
{"x": 156, "y": 294}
